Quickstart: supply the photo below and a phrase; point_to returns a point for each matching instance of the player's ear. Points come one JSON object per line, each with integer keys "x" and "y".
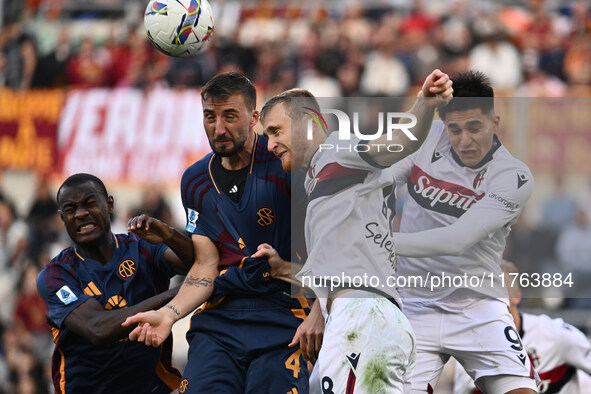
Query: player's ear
{"x": 61, "y": 215}
{"x": 254, "y": 119}
{"x": 110, "y": 204}
{"x": 496, "y": 121}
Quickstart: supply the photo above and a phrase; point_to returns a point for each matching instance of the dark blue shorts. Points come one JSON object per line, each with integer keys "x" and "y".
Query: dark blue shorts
{"x": 241, "y": 347}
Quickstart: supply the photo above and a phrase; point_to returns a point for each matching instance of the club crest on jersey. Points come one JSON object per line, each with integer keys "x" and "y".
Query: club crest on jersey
{"x": 127, "y": 269}
{"x": 533, "y": 357}
{"x": 479, "y": 178}
{"x": 66, "y": 295}
{"x": 265, "y": 216}
{"x": 183, "y": 386}
{"x": 192, "y": 216}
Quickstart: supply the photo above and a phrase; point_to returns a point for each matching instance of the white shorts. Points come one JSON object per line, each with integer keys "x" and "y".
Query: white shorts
{"x": 368, "y": 347}
{"x": 481, "y": 336}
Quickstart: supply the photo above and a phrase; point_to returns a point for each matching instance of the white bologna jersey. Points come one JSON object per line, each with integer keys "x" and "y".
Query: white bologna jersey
{"x": 467, "y": 212}
{"x": 560, "y": 353}
{"x": 348, "y": 222}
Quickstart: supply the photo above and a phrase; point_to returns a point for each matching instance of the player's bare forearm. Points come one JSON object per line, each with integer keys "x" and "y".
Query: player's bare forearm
{"x": 181, "y": 254}
{"x": 435, "y": 92}
{"x": 154, "y": 327}
{"x": 198, "y": 285}
{"x": 103, "y": 327}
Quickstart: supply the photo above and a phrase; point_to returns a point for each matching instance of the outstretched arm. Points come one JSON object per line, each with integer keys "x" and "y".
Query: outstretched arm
{"x": 155, "y": 326}
{"x": 103, "y": 327}
{"x": 436, "y": 91}
{"x": 179, "y": 256}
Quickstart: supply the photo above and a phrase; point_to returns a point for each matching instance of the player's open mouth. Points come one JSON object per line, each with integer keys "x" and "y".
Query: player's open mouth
{"x": 86, "y": 228}
{"x": 468, "y": 153}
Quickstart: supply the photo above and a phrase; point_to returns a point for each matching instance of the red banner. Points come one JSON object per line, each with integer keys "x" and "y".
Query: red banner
{"x": 151, "y": 136}
{"x": 28, "y": 129}
{"x": 132, "y": 135}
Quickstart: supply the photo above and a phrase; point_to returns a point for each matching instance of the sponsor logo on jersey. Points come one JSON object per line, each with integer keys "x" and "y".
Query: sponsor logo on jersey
{"x": 521, "y": 180}
{"x": 440, "y": 196}
{"x": 66, "y": 295}
{"x": 265, "y": 216}
{"x": 522, "y": 358}
{"x": 192, "y": 216}
{"x": 479, "y": 178}
{"x": 383, "y": 240}
{"x": 127, "y": 269}
{"x": 116, "y": 302}
{"x": 508, "y": 204}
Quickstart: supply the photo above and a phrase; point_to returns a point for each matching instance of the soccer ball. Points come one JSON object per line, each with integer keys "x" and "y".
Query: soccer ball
{"x": 179, "y": 27}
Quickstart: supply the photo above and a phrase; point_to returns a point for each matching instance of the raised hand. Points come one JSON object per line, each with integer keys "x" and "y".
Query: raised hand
{"x": 150, "y": 229}
{"x": 439, "y": 85}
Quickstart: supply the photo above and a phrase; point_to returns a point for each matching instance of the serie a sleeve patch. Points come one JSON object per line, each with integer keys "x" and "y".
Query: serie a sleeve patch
{"x": 66, "y": 295}
{"x": 192, "y": 216}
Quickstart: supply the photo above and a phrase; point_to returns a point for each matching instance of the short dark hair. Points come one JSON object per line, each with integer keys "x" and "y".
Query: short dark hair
{"x": 473, "y": 84}
{"x": 79, "y": 179}
{"x": 228, "y": 84}
{"x": 285, "y": 99}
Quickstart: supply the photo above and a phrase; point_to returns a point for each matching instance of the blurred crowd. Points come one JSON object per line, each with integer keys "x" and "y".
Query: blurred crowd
{"x": 559, "y": 243}
{"x": 528, "y": 47}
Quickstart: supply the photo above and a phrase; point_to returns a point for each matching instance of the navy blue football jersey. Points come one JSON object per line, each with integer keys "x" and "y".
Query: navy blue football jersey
{"x": 261, "y": 216}
{"x": 136, "y": 272}
{"x": 238, "y": 341}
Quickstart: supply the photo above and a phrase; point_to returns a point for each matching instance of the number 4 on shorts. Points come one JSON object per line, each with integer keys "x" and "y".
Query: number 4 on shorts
{"x": 293, "y": 363}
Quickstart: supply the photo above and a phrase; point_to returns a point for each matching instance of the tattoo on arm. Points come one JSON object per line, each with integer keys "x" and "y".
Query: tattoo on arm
{"x": 193, "y": 281}
{"x": 172, "y": 308}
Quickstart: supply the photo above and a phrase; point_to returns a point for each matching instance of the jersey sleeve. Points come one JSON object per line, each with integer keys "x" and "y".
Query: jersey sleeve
{"x": 401, "y": 169}
{"x": 189, "y": 189}
{"x": 505, "y": 198}
{"x": 61, "y": 292}
{"x": 575, "y": 347}
{"x": 157, "y": 252}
